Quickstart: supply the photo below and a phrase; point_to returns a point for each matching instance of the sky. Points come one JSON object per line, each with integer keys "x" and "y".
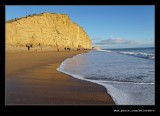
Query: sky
{"x": 108, "y": 26}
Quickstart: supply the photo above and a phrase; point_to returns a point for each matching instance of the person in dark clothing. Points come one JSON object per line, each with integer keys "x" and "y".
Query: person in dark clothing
{"x": 68, "y": 49}
{"x": 28, "y": 48}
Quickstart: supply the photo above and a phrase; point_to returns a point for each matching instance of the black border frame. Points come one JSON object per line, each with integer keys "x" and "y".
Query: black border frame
{"x": 88, "y": 108}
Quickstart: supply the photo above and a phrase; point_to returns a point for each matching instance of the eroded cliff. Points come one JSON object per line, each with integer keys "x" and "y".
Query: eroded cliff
{"x": 46, "y": 29}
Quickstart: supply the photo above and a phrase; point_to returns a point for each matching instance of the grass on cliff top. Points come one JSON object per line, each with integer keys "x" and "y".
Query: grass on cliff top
{"x": 30, "y": 15}
{"x": 16, "y": 19}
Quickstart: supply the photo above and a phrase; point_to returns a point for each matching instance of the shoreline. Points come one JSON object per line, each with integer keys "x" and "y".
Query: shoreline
{"x": 35, "y": 72}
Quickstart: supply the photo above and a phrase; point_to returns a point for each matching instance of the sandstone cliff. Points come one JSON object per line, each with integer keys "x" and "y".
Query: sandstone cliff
{"x": 48, "y": 29}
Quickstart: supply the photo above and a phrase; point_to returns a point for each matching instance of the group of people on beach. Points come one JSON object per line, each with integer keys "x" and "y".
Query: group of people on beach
{"x": 66, "y": 48}
{"x": 78, "y": 49}
{"x": 29, "y": 46}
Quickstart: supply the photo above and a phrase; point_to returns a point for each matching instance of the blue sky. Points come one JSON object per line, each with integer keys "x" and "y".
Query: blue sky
{"x": 108, "y": 26}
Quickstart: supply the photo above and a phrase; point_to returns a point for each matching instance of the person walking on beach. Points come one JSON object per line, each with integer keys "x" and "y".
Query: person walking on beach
{"x": 28, "y": 46}
{"x": 40, "y": 46}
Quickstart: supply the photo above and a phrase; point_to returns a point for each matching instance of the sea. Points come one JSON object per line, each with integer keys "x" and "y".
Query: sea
{"x": 127, "y": 74}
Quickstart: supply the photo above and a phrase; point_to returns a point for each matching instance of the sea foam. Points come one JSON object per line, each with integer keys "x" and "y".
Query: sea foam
{"x": 128, "y": 79}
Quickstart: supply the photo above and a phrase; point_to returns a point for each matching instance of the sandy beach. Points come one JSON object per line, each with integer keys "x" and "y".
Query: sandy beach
{"x": 32, "y": 78}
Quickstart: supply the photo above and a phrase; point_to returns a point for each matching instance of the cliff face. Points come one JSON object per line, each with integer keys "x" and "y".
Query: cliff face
{"x": 48, "y": 29}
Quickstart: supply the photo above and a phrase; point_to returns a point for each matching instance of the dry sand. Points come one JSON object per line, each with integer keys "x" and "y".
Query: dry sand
{"x": 31, "y": 78}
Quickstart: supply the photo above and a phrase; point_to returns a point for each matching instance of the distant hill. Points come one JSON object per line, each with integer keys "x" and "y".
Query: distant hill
{"x": 96, "y": 48}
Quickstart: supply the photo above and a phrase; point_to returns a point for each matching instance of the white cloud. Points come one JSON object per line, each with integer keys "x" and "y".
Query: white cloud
{"x": 113, "y": 41}
{"x": 96, "y": 38}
